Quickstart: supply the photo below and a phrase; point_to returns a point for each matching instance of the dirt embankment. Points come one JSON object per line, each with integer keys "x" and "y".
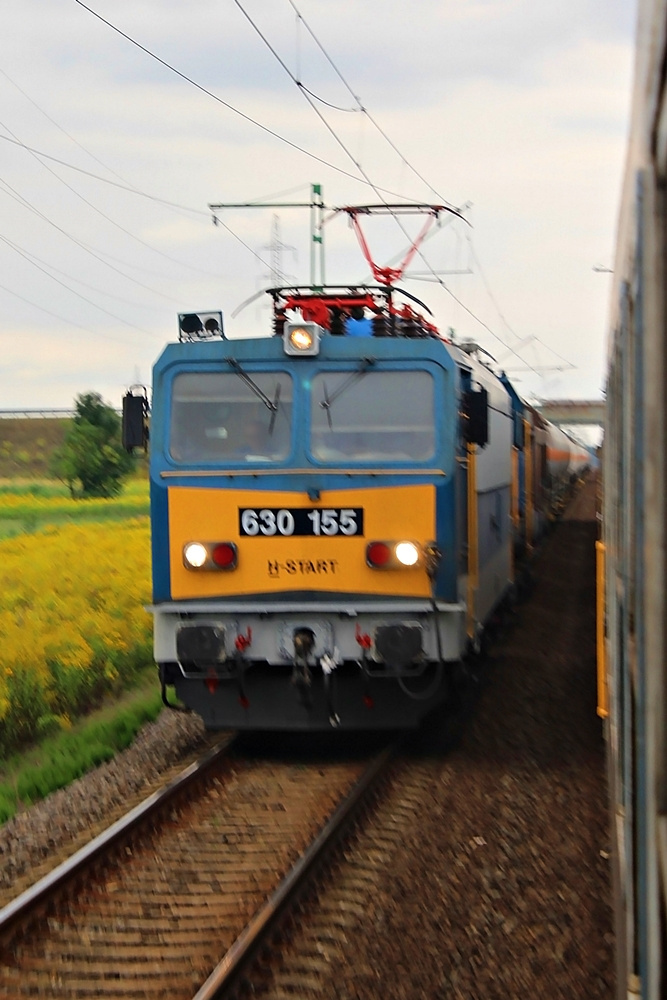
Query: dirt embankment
{"x": 26, "y": 445}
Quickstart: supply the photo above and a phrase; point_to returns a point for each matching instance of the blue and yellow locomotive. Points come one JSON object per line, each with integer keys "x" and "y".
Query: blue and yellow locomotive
{"x": 334, "y": 510}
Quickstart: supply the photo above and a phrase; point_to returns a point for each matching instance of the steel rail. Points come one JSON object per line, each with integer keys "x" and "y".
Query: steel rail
{"x": 227, "y": 973}
{"x": 24, "y": 907}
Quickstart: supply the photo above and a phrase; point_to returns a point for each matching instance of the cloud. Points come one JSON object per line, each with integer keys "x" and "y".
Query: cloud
{"x": 519, "y": 106}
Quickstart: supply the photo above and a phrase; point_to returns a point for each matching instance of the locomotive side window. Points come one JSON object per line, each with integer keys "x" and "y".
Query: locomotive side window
{"x": 372, "y": 416}
{"x": 220, "y": 418}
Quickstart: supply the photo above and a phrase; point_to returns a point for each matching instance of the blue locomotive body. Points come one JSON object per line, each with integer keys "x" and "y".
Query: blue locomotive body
{"x": 349, "y": 582}
{"x": 336, "y": 512}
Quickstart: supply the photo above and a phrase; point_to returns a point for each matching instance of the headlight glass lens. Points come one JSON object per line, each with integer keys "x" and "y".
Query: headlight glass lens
{"x": 194, "y": 554}
{"x": 407, "y": 553}
{"x": 301, "y": 339}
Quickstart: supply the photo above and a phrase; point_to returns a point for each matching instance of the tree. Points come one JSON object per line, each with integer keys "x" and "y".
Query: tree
{"x": 92, "y": 460}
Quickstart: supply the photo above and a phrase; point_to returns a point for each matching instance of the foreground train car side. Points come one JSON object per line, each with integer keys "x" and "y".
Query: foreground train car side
{"x": 634, "y": 534}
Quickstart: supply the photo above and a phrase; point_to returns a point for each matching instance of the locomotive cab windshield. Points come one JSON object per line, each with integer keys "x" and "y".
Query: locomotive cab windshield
{"x": 358, "y": 420}
{"x": 221, "y": 420}
{"x": 218, "y": 418}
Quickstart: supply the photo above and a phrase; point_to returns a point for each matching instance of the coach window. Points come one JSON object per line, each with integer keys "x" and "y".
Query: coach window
{"x": 222, "y": 418}
{"x": 372, "y": 416}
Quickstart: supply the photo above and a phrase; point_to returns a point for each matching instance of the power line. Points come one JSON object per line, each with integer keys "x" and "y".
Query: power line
{"x": 83, "y": 298}
{"x": 104, "y": 180}
{"x": 309, "y": 97}
{"x": 362, "y": 107}
{"x": 437, "y": 277}
{"x": 209, "y": 93}
{"x": 76, "y": 142}
{"x": 68, "y": 322}
{"x": 99, "y": 211}
{"x": 100, "y": 291}
{"x": 124, "y": 187}
{"x": 378, "y": 191}
{"x": 61, "y": 129}
{"x": 225, "y": 104}
{"x": 404, "y": 159}
{"x": 499, "y": 311}
{"x": 13, "y": 193}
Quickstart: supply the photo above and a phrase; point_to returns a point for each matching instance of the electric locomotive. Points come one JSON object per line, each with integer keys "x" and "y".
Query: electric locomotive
{"x": 331, "y": 512}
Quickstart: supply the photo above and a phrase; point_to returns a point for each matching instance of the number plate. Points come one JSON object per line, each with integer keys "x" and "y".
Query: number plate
{"x": 301, "y": 521}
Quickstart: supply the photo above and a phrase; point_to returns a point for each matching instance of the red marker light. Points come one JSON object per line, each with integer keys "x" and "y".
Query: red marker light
{"x": 378, "y": 554}
{"x": 224, "y": 555}
{"x": 368, "y": 701}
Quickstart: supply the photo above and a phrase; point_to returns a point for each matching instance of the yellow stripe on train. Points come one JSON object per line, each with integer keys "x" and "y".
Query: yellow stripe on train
{"x": 285, "y": 562}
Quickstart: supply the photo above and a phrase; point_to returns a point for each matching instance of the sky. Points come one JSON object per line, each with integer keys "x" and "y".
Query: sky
{"x": 515, "y": 111}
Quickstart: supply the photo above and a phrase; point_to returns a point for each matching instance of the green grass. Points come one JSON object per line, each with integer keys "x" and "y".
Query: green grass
{"x": 133, "y": 488}
{"x": 33, "y": 488}
{"x": 27, "y": 506}
{"x": 61, "y": 758}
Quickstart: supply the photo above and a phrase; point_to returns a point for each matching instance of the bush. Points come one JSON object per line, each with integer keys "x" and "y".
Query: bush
{"x": 92, "y": 461}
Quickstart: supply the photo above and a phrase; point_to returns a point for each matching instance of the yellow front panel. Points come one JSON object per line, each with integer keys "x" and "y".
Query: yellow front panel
{"x": 283, "y": 563}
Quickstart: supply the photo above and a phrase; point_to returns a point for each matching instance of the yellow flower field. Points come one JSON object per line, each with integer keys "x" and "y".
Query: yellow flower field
{"x": 72, "y": 619}
{"x": 30, "y": 504}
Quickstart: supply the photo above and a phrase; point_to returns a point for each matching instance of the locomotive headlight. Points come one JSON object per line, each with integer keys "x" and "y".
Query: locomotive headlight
{"x": 195, "y": 555}
{"x": 302, "y": 338}
{"x": 407, "y": 553}
{"x": 392, "y": 555}
{"x": 210, "y": 555}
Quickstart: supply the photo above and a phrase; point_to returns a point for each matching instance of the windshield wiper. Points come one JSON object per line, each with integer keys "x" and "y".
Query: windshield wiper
{"x": 270, "y": 404}
{"x": 364, "y": 365}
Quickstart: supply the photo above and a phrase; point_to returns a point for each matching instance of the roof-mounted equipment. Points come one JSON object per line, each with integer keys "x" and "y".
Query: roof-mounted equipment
{"x": 199, "y": 326}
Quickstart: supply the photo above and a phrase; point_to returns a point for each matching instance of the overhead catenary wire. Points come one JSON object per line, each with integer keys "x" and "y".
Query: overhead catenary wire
{"x": 216, "y": 97}
{"x": 230, "y": 107}
{"x": 424, "y": 180}
{"x": 307, "y": 95}
{"x": 55, "y": 315}
{"x": 104, "y": 180}
{"x": 359, "y": 167}
{"x": 362, "y": 107}
{"x": 522, "y": 340}
{"x": 94, "y": 207}
{"x": 379, "y": 191}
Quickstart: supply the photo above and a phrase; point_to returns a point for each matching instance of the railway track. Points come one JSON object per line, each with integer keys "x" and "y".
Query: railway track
{"x": 479, "y": 874}
{"x": 179, "y": 887}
